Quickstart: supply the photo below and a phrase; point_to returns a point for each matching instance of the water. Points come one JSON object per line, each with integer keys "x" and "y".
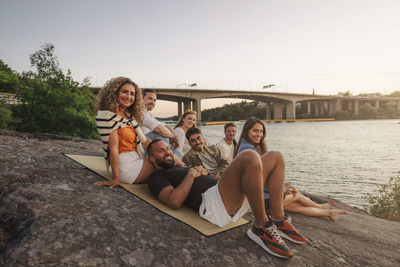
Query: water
{"x": 342, "y": 159}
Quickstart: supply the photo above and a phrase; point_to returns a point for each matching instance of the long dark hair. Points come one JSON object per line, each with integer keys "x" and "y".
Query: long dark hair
{"x": 262, "y": 146}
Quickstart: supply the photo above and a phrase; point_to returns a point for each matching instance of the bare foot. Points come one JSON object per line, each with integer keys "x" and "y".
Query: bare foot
{"x": 334, "y": 214}
{"x": 328, "y": 205}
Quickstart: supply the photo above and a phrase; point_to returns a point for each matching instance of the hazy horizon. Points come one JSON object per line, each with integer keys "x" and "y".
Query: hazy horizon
{"x": 300, "y": 46}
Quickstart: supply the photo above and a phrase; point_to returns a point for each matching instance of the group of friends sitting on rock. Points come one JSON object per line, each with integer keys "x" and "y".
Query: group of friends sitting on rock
{"x": 221, "y": 182}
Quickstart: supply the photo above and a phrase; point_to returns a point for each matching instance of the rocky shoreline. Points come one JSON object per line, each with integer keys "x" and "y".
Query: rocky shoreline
{"x": 52, "y": 215}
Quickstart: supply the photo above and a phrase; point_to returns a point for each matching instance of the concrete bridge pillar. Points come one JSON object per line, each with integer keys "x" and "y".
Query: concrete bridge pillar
{"x": 309, "y": 108}
{"x": 179, "y": 109}
{"x": 268, "y": 111}
{"x": 339, "y": 105}
{"x": 291, "y": 110}
{"x": 332, "y": 107}
{"x": 325, "y": 106}
{"x": 277, "y": 111}
{"x": 197, "y": 107}
{"x": 377, "y": 103}
{"x": 349, "y": 105}
{"x": 321, "y": 108}
{"x": 356, "y": 107}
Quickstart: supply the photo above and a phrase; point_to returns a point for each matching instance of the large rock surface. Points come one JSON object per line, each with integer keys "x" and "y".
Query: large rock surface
{"x": 51, "y": 214}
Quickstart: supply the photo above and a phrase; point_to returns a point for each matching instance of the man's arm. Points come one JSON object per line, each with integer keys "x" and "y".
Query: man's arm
{"x": 190, "y": 159}
{"x": 174, "y": 140}
{"x": 174, "y": 197}
{"x": 162, "y": 130}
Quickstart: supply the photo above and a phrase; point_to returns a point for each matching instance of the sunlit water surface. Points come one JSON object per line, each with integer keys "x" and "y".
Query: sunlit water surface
{"x": 342, "y": 159}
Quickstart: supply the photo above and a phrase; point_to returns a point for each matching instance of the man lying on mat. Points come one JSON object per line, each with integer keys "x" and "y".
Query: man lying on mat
{"x": 224, "y": 200}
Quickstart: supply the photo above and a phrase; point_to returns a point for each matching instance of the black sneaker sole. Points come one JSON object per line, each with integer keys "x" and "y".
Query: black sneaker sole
{"x": 257, "y": 240}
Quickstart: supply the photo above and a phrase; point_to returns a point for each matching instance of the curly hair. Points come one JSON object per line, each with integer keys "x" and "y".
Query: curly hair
{"x": 187, "y": 112}
{"x": 107, "y": 99}
{"x": 262, "y": 146}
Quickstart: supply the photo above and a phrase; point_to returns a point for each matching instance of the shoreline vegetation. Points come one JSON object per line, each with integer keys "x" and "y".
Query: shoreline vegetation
{"x": 50, "y": 101}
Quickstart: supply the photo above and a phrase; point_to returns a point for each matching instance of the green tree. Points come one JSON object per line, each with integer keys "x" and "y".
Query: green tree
{"x": 5, "y": 115}
{"x": 368, "y": 112}
{"x": 344, "y": 115}
{"x": 9, "y": 81}
{"x": 52, "y": 101}
{"x": 347, "y": 93}
{"x": 395, "y": 94}
{"x": 390, "y": 109}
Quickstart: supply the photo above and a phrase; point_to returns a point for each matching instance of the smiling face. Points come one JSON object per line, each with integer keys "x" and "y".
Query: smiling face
{"x": 230, "y": 133}
{"x": 196, "y": 141}
{"x": 189, "y": 121}
{"x": 255, "y": 133}
{"x": 161, "y": 155}
{"x": 149, "y": 100}
{"x": 126, "y": 95}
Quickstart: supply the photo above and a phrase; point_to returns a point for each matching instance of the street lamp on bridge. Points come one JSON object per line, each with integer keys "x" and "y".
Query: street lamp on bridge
{"x": 268, "y": 86}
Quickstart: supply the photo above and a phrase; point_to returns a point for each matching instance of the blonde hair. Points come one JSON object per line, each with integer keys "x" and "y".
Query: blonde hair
{"x": 187, "y": 112}
{"x": 107, "y": 98}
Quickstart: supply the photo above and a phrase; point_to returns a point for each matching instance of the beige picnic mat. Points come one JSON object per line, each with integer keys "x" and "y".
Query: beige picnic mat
{"x": 183, "y": 214}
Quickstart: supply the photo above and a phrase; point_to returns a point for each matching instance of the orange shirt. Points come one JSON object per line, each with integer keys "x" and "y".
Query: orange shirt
{"x": 126, "y": 139}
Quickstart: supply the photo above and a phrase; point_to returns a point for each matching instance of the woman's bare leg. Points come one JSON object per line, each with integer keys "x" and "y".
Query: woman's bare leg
{"x": 315, "y": 212}
{"x": 306, "y": 202}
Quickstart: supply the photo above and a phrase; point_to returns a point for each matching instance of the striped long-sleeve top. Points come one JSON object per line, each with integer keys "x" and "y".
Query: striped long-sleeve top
{"x": 107, "y": 121}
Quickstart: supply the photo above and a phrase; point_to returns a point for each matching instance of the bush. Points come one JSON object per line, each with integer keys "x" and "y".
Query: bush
{"x": 344, "y": 115}
{"x": 387, "y": 204}
{"x": 5, "y": 116}
{"x": 368, "y": 112}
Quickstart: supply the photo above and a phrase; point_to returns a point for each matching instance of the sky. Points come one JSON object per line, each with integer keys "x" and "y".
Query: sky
{"x": 297, "y": 45}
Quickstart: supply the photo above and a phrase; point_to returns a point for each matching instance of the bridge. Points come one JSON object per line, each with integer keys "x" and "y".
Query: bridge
{"x": 278, "y": 105}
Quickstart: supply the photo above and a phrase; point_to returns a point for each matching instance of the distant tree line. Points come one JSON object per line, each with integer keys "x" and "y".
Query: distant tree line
{"x": 234, "y": 112}
{"x": 50, "y": 100}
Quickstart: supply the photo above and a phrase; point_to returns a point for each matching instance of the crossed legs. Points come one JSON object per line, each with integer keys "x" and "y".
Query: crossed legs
{"x": 301, "y": 204}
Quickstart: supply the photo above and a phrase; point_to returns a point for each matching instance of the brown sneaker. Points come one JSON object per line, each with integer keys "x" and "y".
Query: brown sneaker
{"x": 286, "y": 229}
{"x": 268, "y": 238}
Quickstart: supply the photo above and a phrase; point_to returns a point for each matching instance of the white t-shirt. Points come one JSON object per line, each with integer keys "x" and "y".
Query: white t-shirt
{"x": 226, "y": 150}
{"x": 183, "y": 143}
{"x": 149, "y": 122}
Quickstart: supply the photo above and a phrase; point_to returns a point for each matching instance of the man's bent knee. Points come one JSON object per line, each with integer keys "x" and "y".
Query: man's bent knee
{"x": 248, "y": 158}
{"x": 276, "y": 156}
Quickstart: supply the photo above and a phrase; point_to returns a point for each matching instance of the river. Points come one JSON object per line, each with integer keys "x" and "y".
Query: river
{"x": 345, "y": 160}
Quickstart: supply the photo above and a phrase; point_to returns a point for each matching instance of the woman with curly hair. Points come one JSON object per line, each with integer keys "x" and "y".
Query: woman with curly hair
{"x": 186, "y": 121}
{"x": 119, "y": 116}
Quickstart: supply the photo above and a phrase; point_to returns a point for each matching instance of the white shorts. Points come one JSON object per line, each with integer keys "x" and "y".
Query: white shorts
{"x": 213, "y": 209}
{"x": 130, "y": 165}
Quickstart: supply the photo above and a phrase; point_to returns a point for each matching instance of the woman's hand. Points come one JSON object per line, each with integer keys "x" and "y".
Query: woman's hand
{"x": 289, "y": 189}
{"x": 113, "y": 183}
